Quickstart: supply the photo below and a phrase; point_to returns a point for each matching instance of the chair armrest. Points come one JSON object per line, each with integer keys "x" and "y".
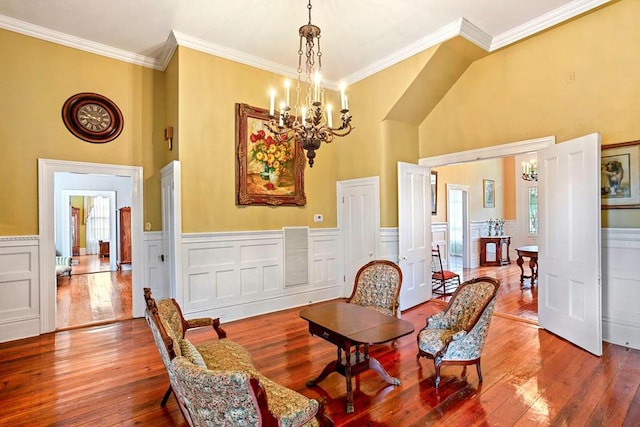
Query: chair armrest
{"x": 206, "y": 321}
{"x": 438, "y": 321}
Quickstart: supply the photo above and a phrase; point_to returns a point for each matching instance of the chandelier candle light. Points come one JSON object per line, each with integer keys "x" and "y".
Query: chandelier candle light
{"x": 309, "y": 122}
{"x": 530, "y": 171}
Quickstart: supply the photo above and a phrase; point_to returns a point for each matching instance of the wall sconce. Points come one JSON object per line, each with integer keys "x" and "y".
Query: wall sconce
{"x": 168, "y": 136}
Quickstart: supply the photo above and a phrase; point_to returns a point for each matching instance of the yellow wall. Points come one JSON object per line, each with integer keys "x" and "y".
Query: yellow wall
{"x": 519, "y": 92}
{"x": 524, "y": 91}
{"x": 209, "y": 88}
{"x": 78, "y": 202}
{"x": 472, "y": 175}
{"x": 35, "y": 80}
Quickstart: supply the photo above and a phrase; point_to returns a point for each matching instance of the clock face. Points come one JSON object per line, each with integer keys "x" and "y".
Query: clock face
{"x": 92, "y": 117}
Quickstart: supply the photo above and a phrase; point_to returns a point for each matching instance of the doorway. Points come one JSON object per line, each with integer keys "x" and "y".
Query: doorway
{"x": 458, "y": 223}
{"x": 50, "y": 205}
{"x": 507, "y": 274}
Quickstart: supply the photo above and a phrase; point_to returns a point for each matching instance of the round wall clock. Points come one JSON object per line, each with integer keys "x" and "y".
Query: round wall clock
{"x": 92, "y": 117}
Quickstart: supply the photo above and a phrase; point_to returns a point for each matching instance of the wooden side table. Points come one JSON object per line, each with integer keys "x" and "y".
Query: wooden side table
{"x": 532, "y": 253}
{"x": 502, "y": 244}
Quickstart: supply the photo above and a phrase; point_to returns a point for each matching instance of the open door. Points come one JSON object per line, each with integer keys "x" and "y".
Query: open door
{"x": 569, "y": 299}
{"x": 414, "y": 233}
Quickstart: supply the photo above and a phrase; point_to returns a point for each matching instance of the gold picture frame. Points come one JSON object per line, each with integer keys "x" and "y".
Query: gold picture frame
{"x": 269, "y": 167}
{"x": 620, "y": 175}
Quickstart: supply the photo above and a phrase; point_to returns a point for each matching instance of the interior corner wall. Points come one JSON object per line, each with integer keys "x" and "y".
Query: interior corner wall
{"x": 209, "y": 88}
{"x": 577, "y": 78}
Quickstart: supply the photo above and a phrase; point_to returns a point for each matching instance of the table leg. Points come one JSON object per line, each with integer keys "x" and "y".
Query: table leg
{"x": 376, "y": 366}
{"x": 520, "y": 261}
{"x": 331, "y": 367}
{"x": 533, "y": 265}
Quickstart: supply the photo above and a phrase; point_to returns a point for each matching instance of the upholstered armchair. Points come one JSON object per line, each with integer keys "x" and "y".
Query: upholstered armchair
{"x": 457, "y": 334}
{"x": 377, "y": 286}
{"x": 63, "y": 265}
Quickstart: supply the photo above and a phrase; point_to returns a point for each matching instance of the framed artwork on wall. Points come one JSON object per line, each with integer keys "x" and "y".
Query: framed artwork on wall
{"x": 434, "y": 192}
{"x": 620, "y": 176}
{"x": 488, "y": 193}
{"x": 269, "y": 167}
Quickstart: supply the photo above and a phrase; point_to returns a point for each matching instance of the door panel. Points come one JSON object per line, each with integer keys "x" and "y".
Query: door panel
{"x": 359, "y": 223}
{"x": 414, "y": 233}
{"x": 569, "y": 302}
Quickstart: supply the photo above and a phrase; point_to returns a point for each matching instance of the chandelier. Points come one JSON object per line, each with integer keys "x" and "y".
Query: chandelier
{"x": 310, "y": 121}
{"x": 530, "y": 171}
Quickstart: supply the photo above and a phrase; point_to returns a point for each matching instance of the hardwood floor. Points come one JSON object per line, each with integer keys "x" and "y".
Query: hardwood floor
{"x": 514, "y": 300}
{"x": 112, "y": 374}
{"x": 88, "y": 297}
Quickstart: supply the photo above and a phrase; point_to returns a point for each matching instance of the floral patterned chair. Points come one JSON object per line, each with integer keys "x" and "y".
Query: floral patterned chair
{"x": 457, "y": 334}
{"x": 377, "y": 286}
{"x": 216, "y": 384}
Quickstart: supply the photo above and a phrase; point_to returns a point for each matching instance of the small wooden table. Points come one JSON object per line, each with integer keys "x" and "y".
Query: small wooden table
{"x": 347, "y": 326}
{"x": 532, "y": 253}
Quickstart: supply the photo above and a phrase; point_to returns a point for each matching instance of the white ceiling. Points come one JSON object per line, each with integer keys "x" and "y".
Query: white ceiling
{"x": 359, "y": 37}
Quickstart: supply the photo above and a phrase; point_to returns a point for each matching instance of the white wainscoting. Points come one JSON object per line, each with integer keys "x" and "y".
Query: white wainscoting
{"x": 19, "y": 288}
{"x": 440, "y": 239}
{"x": 388, "y": 245}
{"x": 621, "y": 286}
{"x": 237, "y": 275}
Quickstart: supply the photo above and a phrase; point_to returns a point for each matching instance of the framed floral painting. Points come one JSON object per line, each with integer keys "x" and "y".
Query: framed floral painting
{"x": 269, "y": 167}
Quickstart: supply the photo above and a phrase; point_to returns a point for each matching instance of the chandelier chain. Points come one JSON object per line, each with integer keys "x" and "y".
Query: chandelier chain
{"x": 310, "y": 123}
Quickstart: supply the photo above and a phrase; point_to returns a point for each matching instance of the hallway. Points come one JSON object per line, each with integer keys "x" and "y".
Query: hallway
{"x": 93, "y": 295}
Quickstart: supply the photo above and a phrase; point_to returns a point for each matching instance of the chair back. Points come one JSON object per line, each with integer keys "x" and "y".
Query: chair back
{"x": 436, "y": 260}
{"x": 377, "y": 286}
{"x": 470, "y": 301}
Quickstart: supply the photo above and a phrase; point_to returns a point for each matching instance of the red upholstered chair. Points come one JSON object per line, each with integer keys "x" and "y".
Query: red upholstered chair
{"x": 443, "y": 282}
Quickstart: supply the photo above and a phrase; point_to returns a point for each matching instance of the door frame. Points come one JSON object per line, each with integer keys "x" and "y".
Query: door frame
{"x": 47, "y": 169}
{"x": 466, "y": 225}
{"x": 172, "y": 234}
{"x": 493, "y": 152}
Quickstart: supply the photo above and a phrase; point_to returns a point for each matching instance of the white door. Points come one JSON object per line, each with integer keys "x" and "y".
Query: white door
{"x": 359, "y": 216}
{"x": 569, "y": 299}
{"x": 414, "y": 233}
{"x": 172, "y": 228}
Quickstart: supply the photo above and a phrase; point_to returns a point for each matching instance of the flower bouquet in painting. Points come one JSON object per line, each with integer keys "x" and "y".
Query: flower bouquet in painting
{"x": 272, "y": 155}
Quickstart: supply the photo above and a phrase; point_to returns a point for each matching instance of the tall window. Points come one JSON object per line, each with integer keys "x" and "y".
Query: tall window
{"x": 97, "y": 222}
{"x": 533, "y": 210}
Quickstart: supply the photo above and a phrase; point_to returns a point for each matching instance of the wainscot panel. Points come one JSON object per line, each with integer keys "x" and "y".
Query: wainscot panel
{"x": 621, "y": 286}
{"x": 19, "y": 287}
{"x": 241, "y": 274}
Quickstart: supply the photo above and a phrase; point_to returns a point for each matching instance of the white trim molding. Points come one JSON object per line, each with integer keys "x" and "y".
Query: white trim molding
{"x": 621, "y": 286}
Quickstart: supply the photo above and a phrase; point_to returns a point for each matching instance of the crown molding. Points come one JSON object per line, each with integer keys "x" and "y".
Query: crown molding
{"x": 68, "y": 40}
{"x": 545, "y": 21}
{"x": 232, "y": 54}
{"x": 460, "y": 27}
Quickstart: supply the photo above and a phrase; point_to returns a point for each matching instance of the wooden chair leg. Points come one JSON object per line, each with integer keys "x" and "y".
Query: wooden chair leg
{"x": 437, "y": 361}
{"x": 166, "y": 397}
{"x": 479, "y": 372}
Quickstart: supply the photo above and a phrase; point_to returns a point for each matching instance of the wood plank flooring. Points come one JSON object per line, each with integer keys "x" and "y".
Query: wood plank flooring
{"x": 112, "y": 375}
{"x": 92, "y": 294}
